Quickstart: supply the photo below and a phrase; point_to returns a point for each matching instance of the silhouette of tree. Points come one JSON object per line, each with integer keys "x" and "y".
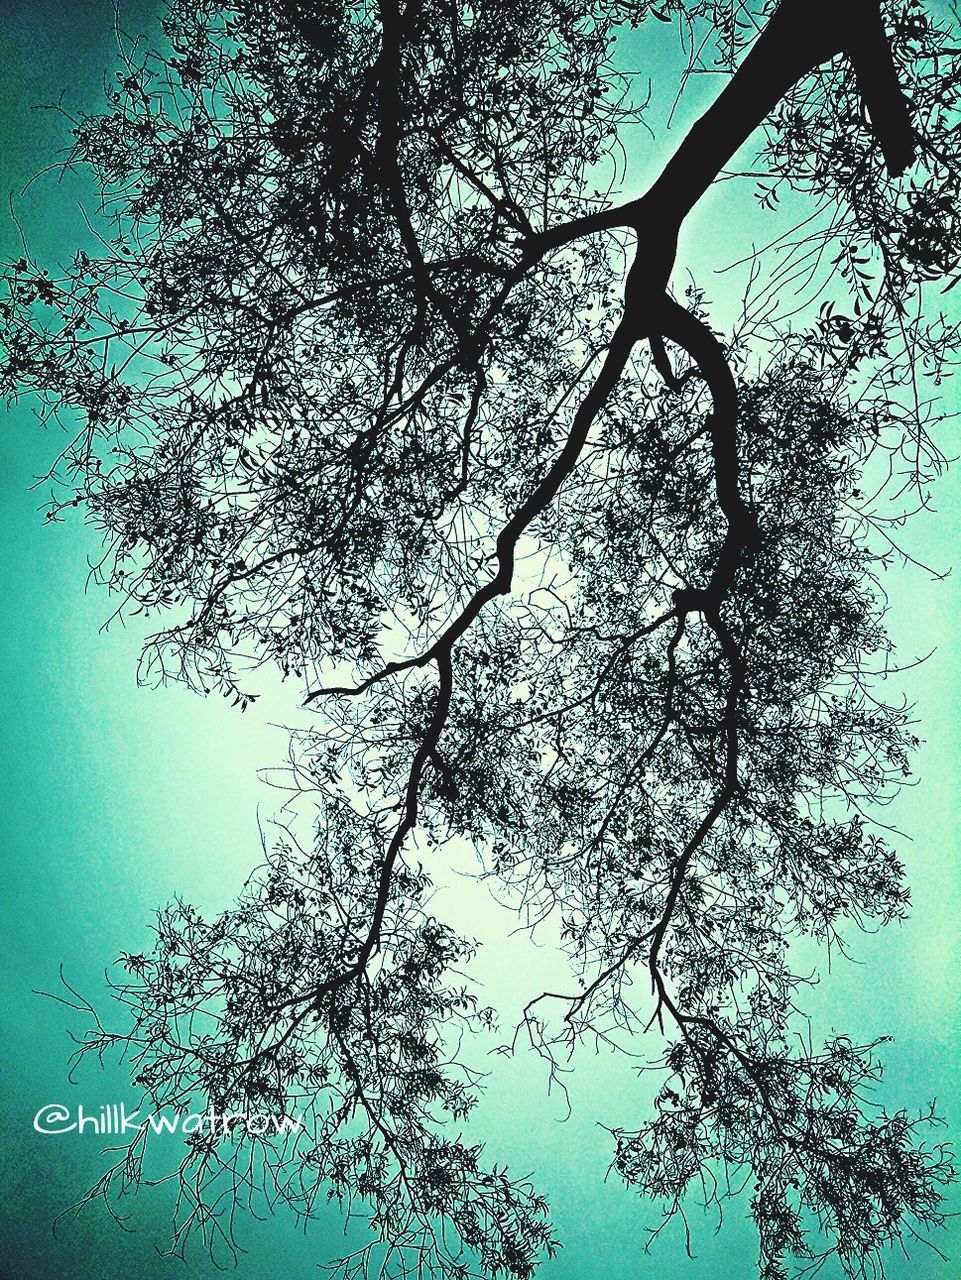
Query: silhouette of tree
{"x": 376, "y": 379}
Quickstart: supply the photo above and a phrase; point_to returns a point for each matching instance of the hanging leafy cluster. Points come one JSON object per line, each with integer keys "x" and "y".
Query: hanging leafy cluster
{"x": 374, "y": 380}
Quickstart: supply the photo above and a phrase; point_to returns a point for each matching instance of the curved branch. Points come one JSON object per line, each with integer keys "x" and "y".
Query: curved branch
{"x": 801, "y": 36}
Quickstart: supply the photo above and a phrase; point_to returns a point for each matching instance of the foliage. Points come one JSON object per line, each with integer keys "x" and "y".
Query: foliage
{"x": 363, "y": 387}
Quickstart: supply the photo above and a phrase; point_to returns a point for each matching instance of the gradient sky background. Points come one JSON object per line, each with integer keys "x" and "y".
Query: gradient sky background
{"x": 118, "y": 797}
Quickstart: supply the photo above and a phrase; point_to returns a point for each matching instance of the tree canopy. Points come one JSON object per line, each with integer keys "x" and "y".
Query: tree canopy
{"x": 378, "y": 378}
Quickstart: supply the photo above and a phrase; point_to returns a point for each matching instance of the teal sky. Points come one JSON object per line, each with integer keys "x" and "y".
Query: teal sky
{"x": 116, "y": 797}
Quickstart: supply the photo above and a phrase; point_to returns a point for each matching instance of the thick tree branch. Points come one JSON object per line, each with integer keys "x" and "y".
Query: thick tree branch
{"x": 801, "y": 36}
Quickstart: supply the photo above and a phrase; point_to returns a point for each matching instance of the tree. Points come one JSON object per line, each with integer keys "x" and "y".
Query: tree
{"x": 377, "y": 379}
